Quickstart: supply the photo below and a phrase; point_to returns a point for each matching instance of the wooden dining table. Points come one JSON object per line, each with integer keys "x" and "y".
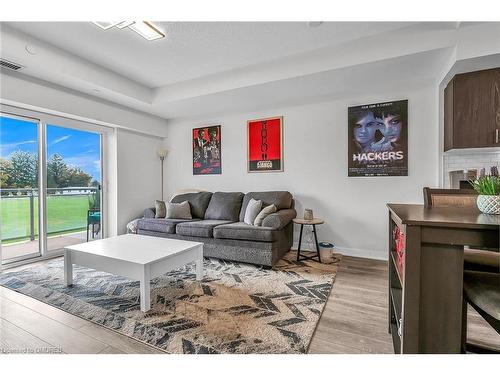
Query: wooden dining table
{"x": 426, "y": 280}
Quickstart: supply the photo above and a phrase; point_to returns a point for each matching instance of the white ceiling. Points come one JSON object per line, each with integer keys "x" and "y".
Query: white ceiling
{"x": 201, "y": 69}
{"x": 195, "y": 49}
{"x": 393, "y": 75}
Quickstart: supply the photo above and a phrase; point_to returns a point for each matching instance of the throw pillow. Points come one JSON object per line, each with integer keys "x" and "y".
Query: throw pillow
{"x": 266, "y": 211}
{"x": 160, "y": 210}
{"x": 253, "y": 209}
{"x": 179, "y": 211}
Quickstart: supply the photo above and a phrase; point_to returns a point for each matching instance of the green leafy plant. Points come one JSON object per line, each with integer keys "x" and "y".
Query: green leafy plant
{"x": 486, "y": 185}
{"x": 94, "y": 201}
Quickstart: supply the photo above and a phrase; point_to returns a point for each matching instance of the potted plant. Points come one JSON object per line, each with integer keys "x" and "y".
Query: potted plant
{"x": 488, "y": 188}
{"x": 94, "y": 201}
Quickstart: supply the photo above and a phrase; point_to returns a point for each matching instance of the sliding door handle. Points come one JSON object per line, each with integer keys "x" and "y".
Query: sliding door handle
{"x": 496, "y": 135}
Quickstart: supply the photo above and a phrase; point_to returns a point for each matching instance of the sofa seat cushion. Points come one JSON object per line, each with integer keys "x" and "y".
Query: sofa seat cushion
{"x": 160, "y": 225}
{"x": 199, "y": 228}
{"x": 243, "y": 231}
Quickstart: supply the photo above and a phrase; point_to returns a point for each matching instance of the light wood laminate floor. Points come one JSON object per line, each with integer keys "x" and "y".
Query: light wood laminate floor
{"x": 354, "y": 320}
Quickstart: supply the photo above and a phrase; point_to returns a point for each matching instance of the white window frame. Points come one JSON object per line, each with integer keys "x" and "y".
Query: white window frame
{"x": 22, "y": 258}
{"x": 44, "y": 119}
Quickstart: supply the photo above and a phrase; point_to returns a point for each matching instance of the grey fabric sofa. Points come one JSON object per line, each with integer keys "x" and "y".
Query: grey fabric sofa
{"x": 218, "y": 223}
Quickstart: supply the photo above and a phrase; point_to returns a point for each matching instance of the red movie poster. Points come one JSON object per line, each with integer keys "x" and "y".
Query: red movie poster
{"x": 207, "y": 150}
{"x": 265, "y": 146}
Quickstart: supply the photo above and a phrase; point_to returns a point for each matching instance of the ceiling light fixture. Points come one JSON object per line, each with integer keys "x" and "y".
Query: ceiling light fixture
{"x": 106, "y": 25}
{"x": 146, "y": 29}
{"x": 315, "y": 23}
{"x": 124, "y": 24}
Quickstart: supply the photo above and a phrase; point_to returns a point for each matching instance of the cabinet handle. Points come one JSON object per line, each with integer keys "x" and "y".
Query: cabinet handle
{"x": 496, "y": 135}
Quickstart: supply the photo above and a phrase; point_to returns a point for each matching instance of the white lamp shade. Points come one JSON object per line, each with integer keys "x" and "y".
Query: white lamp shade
{"x": 162, "y": 152}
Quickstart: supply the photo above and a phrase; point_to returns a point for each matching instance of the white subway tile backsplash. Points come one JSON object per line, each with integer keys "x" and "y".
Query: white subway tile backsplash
{"x": 468, "y": 160}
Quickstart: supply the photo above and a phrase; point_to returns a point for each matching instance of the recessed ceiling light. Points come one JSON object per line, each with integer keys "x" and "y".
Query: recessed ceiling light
{"x": 314, "y": 23}
{"x": 30, "y": 49}
{"x": 147, "y": 30}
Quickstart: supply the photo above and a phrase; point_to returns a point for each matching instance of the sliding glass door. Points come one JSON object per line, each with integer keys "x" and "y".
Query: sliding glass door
{"x": 50, "y": 184}
{"x": 19, "y": 193}
{"x": 73, "y": 193}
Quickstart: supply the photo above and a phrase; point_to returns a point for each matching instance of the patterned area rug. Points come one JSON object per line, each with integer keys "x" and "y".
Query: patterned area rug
{"x": 237, "y": 308}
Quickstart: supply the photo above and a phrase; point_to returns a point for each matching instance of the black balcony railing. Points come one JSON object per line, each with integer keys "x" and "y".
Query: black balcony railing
{"x": 31, "y": 194}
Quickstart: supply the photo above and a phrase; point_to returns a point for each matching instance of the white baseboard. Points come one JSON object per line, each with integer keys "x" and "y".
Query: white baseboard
{"x": 362, "y": 253}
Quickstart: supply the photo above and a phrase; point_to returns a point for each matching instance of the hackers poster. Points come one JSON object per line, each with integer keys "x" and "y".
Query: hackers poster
{"x": 378, "y": 139}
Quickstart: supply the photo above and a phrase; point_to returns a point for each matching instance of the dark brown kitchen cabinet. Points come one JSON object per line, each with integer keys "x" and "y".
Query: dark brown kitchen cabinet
{"x": 472, "y": 110}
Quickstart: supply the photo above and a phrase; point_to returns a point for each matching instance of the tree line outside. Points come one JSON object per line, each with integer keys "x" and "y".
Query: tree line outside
{"x": 20, "y": 171}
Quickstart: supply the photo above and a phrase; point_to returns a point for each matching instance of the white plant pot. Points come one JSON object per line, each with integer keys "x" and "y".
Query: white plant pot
{"x": 489, "y": 204}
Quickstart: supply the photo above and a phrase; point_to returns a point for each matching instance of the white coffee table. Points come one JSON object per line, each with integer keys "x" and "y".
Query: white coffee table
{"x": 138, "y": 257}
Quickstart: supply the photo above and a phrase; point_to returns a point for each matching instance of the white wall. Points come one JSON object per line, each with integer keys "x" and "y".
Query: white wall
{"x": 315, "y": 162}
{"x": 138, "y": 175}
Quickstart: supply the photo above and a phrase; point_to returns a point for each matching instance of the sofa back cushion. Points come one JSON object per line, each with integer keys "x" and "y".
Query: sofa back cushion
{"x": 224, "y": 206}
{"x": 197, "y": 201}
{"x": 281, "y": 199}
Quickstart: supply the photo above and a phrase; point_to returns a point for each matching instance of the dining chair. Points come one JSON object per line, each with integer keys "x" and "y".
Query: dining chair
{"x": 481, "y": 268}
{"x": 482, "y": 292}
{"x": 93, "y": 218}
{"x": 474, "y": 259}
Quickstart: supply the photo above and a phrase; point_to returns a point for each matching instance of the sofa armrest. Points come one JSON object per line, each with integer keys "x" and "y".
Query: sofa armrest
{"x": 279, "y": 219}
{"x": 149, "y": 213}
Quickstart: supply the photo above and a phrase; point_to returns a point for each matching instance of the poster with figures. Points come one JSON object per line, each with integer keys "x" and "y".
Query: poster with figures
{"x": 378, "y": 139}
{"x": 265, "y": 145}
{"x": 207, "y": 150}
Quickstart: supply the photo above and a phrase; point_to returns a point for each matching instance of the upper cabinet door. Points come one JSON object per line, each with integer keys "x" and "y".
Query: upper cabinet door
{"x": 448, "y": 116}
{"x": 475, "y": 117}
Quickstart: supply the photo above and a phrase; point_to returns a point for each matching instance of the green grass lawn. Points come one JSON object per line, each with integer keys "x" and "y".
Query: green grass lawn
{"x": 64, "y": 213}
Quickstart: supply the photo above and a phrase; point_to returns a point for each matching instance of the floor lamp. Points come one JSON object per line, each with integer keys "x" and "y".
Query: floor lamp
{"x": 162, "y": 153}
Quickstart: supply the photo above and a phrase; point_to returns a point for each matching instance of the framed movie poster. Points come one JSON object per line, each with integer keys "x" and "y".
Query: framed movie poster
{"x": 378, "y": 139}
{"x": 265, "y": 145}
{"x": 207, "y": 150}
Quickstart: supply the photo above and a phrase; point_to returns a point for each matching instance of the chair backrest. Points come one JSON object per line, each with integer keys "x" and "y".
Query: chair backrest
{"x": 449, "y": 197}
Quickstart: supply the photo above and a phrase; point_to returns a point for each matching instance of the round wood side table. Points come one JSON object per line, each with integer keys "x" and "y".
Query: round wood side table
{"x": 313, "y": 223}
